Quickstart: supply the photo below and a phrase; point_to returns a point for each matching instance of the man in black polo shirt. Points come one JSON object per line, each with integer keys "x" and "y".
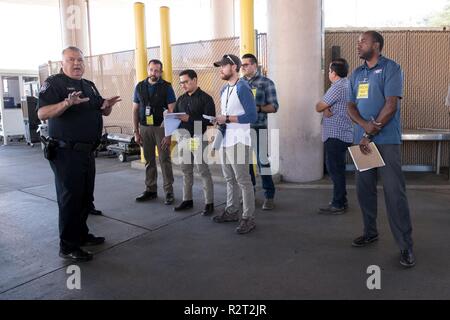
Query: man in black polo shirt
{"x": 196, "y": 103}
{"x": 74, "y": 108}
{"x": 152, "y": 97}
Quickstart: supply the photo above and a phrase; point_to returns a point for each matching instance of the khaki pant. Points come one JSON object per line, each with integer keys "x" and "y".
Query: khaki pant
{"x": 151, "y": 138}
{"x": 195, "y": 159}
{"x": 235, "y": 162}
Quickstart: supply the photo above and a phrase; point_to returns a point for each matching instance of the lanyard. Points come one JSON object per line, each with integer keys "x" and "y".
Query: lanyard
{"x": 228, "y": 95}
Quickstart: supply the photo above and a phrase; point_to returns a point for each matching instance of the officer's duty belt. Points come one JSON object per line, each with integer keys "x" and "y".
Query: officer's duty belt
{"x": 77, "y": 146}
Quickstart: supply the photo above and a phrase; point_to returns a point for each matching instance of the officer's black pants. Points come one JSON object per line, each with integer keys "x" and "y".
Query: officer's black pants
{"x": 74, "y": 180}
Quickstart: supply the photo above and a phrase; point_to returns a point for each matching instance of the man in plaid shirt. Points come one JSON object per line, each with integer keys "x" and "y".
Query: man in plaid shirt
{"x": 337, "y": 133}
{"x": 266, "y": 102}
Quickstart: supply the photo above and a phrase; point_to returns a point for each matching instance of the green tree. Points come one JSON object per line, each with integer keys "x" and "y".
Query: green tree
{"x": 440, "y": 19}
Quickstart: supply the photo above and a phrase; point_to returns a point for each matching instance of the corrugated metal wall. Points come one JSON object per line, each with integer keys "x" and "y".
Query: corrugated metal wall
{"x": 425, "y": 59}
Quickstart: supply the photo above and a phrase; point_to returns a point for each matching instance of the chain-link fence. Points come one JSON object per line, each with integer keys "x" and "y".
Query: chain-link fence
{"x": 423, "y": 55}
{"x": 115, "y": 73}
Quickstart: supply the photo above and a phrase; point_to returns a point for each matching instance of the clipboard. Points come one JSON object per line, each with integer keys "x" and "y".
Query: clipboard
{"x": 364, "y": 162}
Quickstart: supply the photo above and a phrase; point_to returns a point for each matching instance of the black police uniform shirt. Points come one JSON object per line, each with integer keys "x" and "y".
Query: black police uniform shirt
{"x": 196, "y": 105}
{"x": 79, "y": 123}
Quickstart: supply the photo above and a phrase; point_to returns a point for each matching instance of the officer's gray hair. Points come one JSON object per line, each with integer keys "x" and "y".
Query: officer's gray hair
{"x": 72, "y": 48}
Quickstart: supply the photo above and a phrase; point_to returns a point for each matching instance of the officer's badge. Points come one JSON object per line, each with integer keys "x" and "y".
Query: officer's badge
{"x": 95, "y": 91}
{"x": 44, "y": 87}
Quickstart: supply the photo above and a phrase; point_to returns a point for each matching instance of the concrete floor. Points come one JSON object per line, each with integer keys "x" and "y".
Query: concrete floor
{"x": 152, "y": 252}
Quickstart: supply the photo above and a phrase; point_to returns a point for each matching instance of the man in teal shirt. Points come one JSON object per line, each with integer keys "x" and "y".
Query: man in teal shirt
{"x": 376, "y": 90}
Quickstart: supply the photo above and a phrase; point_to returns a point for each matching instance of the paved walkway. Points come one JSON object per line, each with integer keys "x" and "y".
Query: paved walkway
{"x": 152, "y": 252}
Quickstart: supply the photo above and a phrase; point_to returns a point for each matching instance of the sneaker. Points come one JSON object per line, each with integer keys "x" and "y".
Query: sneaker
{"x": 364, "y": 241}
{"x": 268, "y": 204}
{"x": 407, "y": 258}
{"x": 226, "y": 216}
{"x": 246, "y": 225}
{"x": 330, "y": 209}
{"x": 209, "y": 209}
{"x": 345, "y": 204}
{"x": 169, "y": 199}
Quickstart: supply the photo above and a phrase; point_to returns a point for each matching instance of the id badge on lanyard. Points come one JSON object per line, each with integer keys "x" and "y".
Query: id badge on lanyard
{"x": 363, "y": 89}
{"x": 148, "y": 116}
{"x": 194, "y": 144}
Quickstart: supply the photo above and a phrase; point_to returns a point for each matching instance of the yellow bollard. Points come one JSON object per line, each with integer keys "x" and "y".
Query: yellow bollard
{"x": 166, "y": 49}
{"x": 247, "y": 27}
{"x": 248, "y": 41}
{"x": 141, "y": 48}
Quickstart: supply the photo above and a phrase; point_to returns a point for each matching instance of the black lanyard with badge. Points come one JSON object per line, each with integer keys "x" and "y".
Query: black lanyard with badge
{"x": 363, "y": 87}
{"x": 149, "y": 119}
{"x": 229, "y": 93}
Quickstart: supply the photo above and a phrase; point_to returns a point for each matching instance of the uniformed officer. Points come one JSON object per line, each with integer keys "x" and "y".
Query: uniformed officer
{"x": 152, "y": 97}
{"x": 74, "y": 108}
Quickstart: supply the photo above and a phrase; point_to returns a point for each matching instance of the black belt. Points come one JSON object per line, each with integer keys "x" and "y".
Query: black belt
{"x": 77, "y": 146}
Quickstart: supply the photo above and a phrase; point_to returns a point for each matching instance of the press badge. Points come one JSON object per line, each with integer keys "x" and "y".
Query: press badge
{"x": 148, "y": 116}
{"x": 254, "y": 92}
{"x": 363, "y": 90}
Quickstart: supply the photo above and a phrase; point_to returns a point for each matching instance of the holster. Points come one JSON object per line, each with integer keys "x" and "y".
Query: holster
{"x": 50, "y": 146}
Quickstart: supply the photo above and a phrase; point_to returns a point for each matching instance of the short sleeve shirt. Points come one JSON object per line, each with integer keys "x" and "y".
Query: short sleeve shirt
{"x": 339, "y": 125}
{"x": 79, "y": 123}
{"x": 369, "y": 89}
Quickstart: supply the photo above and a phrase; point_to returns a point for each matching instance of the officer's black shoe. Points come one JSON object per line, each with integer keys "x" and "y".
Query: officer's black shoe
{"x": 407, "y": 258}
{"x": 92, "y": 240}
{"x": 188, "y": 204}
{"x": 364, "y": 241}
{"x": 76, "y": 255}
{"x": 169, "y": 199}
{"x": 209, "y": 209}
{"x": 146, "y": 195}
{"x": 95, "y": 212}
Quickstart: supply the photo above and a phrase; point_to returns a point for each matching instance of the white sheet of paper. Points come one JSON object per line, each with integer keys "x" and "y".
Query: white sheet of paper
{"x": 210, "y": 118}
{"x": 174, "y": 115}
{"x": 171, "y": 122}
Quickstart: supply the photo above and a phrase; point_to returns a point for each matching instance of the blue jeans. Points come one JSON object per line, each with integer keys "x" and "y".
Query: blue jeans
{"x": 267, "y": 182}
{"x": 335, "y": 151}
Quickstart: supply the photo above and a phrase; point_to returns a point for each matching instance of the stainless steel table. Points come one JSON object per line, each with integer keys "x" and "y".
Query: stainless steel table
{"x": 429, "y": 134}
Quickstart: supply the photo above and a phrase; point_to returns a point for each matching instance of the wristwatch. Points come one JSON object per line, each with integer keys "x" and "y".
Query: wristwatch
{"x": 228, "y": 119}
{"x": 368, "y": 136}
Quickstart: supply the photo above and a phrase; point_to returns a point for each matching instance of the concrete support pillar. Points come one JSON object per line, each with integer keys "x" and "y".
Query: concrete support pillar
{"x": 295, "y": 42}
{"x": 222, "y": 12}
{"x": 74, "y": 16}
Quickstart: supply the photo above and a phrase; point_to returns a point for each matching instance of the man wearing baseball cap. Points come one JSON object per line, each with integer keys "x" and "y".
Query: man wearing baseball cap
{"x": 238, "y": 112}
